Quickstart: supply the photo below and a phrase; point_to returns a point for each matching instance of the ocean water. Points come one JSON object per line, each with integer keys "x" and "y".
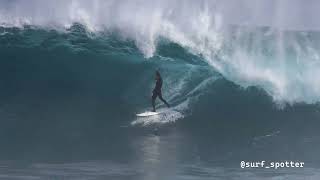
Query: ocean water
{"x": 73, "y": 76}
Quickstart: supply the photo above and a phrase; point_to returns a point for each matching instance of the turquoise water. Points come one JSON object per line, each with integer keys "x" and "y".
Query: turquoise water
{"x": 68, "y": 105}
{"x": 73, "y": 76}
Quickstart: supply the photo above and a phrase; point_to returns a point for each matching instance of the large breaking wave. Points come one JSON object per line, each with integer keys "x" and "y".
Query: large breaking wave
{"x": 270, "y": 45}
{"x": 79, "y": 71}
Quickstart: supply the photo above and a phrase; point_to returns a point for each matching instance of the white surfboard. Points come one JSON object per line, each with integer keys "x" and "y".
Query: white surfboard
{"x": 145, "y": 114}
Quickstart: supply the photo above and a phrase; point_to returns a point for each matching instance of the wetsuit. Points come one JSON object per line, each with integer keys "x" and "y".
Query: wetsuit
{"x": 157, "y": 93}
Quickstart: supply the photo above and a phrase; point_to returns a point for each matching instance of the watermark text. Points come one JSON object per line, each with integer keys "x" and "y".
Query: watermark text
{"x": 272, "y": 165}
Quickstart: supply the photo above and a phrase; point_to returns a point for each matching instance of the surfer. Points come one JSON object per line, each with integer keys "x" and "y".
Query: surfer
{"x": 157, "y": 91}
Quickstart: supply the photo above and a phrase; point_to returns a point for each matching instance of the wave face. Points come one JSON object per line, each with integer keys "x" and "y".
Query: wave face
{"x": 281, "y": 58}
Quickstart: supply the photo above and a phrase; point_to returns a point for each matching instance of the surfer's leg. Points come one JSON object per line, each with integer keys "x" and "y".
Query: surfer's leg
{"x": 164, "y": 101}
{"x": 154, "y": 96}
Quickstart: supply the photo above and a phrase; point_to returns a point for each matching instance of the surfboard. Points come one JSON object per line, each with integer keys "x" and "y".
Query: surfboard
{"x": 145, "y": 114}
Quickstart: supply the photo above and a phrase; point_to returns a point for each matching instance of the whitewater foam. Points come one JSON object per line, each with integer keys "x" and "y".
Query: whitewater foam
{"x": 165, "y": 116}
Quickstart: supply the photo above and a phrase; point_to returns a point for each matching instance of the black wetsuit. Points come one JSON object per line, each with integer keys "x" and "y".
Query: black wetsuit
{"x": 157, "y": 93}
